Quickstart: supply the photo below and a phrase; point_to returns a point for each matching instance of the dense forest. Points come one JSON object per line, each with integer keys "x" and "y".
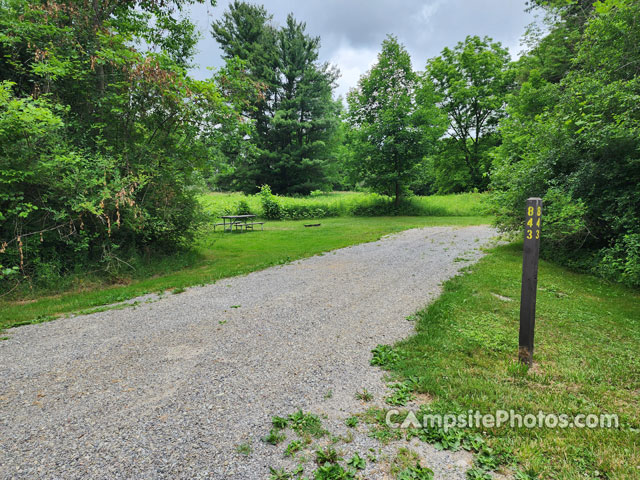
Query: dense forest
{"x": 106, "y": 140}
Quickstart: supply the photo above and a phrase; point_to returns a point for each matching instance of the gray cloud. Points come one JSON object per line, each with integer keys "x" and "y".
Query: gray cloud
{"x": 351, "y": 31}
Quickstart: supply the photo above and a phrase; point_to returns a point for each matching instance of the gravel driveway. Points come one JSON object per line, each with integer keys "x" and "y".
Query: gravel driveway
{"x": 170, "y": 388}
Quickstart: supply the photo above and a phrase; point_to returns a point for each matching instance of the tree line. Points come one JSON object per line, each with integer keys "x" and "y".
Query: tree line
{"x": 106, "y": 140}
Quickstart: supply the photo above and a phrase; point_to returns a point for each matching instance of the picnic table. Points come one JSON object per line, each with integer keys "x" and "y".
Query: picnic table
{"x": 239, "y": 222}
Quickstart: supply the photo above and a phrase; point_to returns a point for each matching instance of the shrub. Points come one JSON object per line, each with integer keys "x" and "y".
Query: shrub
{"x": 270, "y": 206}
{"x": 243, "y": 207}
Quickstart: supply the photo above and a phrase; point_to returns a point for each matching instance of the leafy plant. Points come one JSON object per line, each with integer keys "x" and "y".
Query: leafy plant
{"x": 279, "y": 474}
{"x": 293, "y": 447}
{"x": 327, "y": 455}
{"x": 384, "y": 355}
{"x": 357, "y": 462}
{"x": 279, "y": 423}
{"x": 244, "y": 449}
{"x": 333, "y": 472}
{"x": 352, "y": 422}
{"x": 274, "y": 437}
{"x": 402, "y": 393}
{"x": 307, "y": 423}
{"x": 365, "y": 395}
{"x": 416, "y": 473}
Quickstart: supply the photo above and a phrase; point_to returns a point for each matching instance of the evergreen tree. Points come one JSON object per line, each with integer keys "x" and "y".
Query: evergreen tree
{"x": 295, "y": 114}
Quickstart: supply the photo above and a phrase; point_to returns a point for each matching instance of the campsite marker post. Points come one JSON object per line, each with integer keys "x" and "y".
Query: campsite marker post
{"x": 531, "y": 253}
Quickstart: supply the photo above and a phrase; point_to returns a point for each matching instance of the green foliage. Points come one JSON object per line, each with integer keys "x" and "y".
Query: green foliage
{"x": 352, "y": 422}
{"x": 274, "y": 437}
{"x": 279, "y": 423}
{"x": 402, "y": 392}
{"x": 357, "y": 462}
{"x": 573, "y": 138}
{"x": 293, "y": 447}
{"x": 244, "y": 449}
{"x": 294, "y": 115}
{"x": 365, "y": 395}
{"x": 278, "y": 474}
{"x": 100, "y": 144}
{"x": 416, "y": 472}
{"x": 394, "y": 122}
{"x": 307, "y": 423}
{"x": 472, "y": 80}
{"x": 333, "y": 471}
{"x": 327, "y": 455}
{"x": 384, "y": 355}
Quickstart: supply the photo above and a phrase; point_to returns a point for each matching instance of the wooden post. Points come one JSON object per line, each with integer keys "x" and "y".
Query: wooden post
{"x": 531, "y": 253}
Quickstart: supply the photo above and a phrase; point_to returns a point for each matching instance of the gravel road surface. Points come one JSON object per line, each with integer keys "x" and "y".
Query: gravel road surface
{"x": 171, "y": 388}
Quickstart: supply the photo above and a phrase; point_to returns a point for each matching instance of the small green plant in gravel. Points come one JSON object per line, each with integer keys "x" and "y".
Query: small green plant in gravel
{"x": 384, "y": 355}
{"x": 244, "y": 449}
{"x": 333, "y": 472}
{"x": 274, "y": 437}
{"x": 328, "y": 395}
{"x": 278, "y": 474}
{"x": 307, "y": 423}
{"x": 327, "y": 455}
{"x": 352, "y": 422}
{"x": 357, "y": 462}
{"x": 365, "y": 395}
{"x": 416, "y": 473}
{"x": 279, "y": 423}
{"x": 293, "y": 447}
{"x": 478, "y": 474}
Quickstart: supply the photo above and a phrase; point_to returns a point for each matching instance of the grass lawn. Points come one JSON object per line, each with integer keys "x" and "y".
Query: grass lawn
{"x": 219, "y": 255}
{"x": 587, "y": 360}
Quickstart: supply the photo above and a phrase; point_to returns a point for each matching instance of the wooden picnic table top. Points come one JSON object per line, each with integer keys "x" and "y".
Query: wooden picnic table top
{"x": 237, "y": 216}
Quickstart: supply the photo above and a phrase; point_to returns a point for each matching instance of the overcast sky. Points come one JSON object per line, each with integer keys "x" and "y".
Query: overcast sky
{"x": 351, "y": 31}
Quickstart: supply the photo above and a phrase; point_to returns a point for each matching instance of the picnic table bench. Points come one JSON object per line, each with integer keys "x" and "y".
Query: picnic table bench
{"x": 239, "y": 222}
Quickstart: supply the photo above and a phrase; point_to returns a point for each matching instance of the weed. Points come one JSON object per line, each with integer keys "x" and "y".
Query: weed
{"x": 402, "y": 393}
{"x": 365, "y": 395}
{"x": 293, "y": 447}
{"x": 328, "y": 395}
{"x": 352, "y": 422}
{"x": 279, "y": 474}
{"x": 327, "y": 455}
{"x": 279, "y": 423}
{"x": 274, "y": 437}
{"x": 333, "y": 472}
{"x": 178, "y": 290}
{"x": 357, "y": 462}
{"x": 384, "y": 355}
{"x": 244, "y": 449}
{"x": 416, "y": 473}
{"x": 306, "y": 423}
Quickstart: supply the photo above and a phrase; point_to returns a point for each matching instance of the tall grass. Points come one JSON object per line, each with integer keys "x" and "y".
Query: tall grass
{"x": 350, "y": 204}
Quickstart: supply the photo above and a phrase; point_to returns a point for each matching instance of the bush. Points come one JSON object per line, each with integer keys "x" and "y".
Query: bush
{"x": 270, "y": 206}
{"x": 243, "y": 207}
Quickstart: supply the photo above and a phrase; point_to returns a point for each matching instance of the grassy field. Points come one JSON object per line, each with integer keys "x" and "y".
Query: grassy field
{"x": 218, "y": 255}
{"x": 344, "y": 203}
{"x": 587, "y": 360}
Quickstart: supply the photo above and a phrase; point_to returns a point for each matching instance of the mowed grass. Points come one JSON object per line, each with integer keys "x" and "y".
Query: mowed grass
{"x": 218, "y": 255}
{"x": 587, "y": 361}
